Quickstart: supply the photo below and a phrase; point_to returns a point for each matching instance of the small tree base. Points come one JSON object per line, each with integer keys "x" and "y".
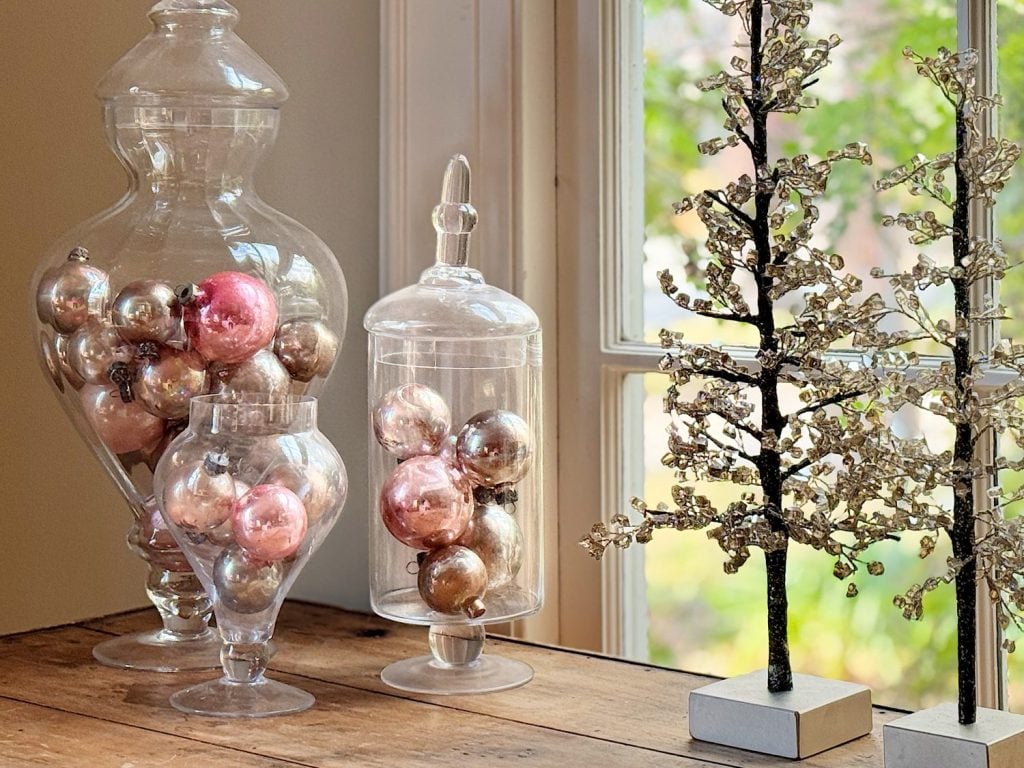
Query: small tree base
{"x": 934, "y": 738}
{"x": 818, "y": 714}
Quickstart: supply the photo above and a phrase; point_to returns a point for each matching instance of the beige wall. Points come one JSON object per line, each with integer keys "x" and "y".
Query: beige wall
{"x": 62, "y": 523}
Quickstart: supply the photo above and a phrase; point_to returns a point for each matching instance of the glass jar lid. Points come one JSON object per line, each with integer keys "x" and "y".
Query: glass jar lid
{"x": 451, "y": 299}
{"x": 193, "y": 58}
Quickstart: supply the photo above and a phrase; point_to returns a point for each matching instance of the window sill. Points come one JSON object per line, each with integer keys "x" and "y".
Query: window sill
{"x": 59, "y": 707}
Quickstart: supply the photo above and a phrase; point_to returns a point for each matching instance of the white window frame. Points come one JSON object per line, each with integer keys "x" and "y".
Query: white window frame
{"x": 538, "y": 94}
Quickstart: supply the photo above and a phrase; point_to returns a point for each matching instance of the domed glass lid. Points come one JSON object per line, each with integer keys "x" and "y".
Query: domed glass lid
{"x": 451, "y": 300}
{"x": 193, "y": 57}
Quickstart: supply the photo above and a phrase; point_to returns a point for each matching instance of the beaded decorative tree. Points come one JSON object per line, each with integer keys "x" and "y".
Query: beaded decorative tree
{"x": 785, "y": 425}
{"x": 920, "y": 469}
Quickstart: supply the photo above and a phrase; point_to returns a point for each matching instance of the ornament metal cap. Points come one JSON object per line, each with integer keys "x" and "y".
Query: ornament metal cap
{"x": 122, "y": 375}
{"x": 216, "y": 463}
{"x": 186, "y": 293}
{"x": 78, "y": 253}
{"x": 475, "y": 608}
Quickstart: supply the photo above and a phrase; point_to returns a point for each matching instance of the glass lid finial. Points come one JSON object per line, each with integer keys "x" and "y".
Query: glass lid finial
{"x": 454, "y": 217}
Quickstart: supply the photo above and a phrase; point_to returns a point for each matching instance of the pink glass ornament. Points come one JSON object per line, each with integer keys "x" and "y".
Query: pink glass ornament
{"x": 147, "y": 310}
{"x": 200, "y": 496}
{"x": 229, "y": 316}
{"x": 411, "y": 420}
{"x": 425, "y": 502}
{"x": 123, "y": 427}
{"x": 166, "y": 382}
{"x": 269, "y": 522}
{"x": 495, "y": 448}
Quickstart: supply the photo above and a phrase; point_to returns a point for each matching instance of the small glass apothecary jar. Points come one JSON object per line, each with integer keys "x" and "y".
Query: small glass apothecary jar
{"x": 190, "y": 284}
{"x": 455, "y": 461}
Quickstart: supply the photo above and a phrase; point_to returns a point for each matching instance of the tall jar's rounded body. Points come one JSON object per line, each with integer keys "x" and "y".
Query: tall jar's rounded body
{"x": 468, "y": 355}
{"x": 190, "y": 284}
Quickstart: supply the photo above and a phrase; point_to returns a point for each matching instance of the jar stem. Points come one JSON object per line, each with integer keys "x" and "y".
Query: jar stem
{"x": 456, "y": 645}
{"x": 245, "y": 663}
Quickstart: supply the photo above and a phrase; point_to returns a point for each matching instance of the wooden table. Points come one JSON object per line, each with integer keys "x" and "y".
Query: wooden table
{"x": 59, "y": 708}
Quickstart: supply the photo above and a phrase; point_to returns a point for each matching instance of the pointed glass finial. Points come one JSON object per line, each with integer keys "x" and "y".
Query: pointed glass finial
{"x": 455, "y": 217}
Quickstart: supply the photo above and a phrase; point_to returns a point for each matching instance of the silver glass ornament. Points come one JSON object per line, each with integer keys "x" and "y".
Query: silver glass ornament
{"x": 262, "y": 373}
{"x": 199, "y": 496}
{"x": 495, "y": 537}
{"x": 48, "y": 351}
{"x": 93, "y": 348}
{"x": 453, "y": 579}
{"x": 411, "y": 420}
{"x": 243, "y": 585}
{"x": 67, "y": 295}
{"x": 147, "y": 310}
{"x": 495, "y": 448}
{"x": 166, "y": 381}
{"x": 307, "y": 348}
{"x": 60, "y": 345}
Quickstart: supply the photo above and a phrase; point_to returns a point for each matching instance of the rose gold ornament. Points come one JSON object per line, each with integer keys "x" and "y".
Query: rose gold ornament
{"x": 306, "y": 348}
{"x": 411, "y": 420}
{"x": 425, "y": 502}
{"x": 269, "y": 522}
{"x": 453, "y": 580}
{"x": 495, "y": 448}
{"x": 228, "y": 316}
{"x": 93, "y": 348}
{"x": 495, "y": 537}
{"x": 309, "y": 484}
{"x": 122, "y": 427}
{"x": 166, "y": 382}
{"x": 244, "y": 585}
{"x": 69, "y": 294}
{"x": 200, "y": 496}
{"x": 48, "y": 352}
{"x": 151, "y": 536}
{"x": 147, "y": 310}
{"x": 262, "y": 373}
{"x": 72, "y": 379}
{"x": 171, "y": 431}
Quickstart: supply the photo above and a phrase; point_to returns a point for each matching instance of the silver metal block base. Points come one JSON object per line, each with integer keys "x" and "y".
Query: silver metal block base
{"x": 934, "y": 738}
{"x": 818, "y": 714}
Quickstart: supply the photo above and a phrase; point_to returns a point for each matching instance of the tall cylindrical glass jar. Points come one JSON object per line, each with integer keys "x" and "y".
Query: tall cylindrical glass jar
{"x": 190, "y": 284}
{"x": 455, "y": 464}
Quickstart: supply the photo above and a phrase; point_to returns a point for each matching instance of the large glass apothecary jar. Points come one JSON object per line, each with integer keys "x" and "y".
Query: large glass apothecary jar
{"x": 455, "y": 464}
{"x": 190, "y": 284}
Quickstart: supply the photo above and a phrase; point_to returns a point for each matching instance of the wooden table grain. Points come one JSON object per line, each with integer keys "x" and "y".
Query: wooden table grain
{"x": 60, "y": 708}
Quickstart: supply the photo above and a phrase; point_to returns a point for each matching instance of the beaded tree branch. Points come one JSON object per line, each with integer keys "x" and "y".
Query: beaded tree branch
{"x": 805, "y": 481}
{"x": 980, "y": 167}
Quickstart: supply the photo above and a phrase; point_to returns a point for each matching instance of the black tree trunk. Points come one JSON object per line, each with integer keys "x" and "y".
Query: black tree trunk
{"x": 769, "y": 465}
{"x": 962, "y": 533}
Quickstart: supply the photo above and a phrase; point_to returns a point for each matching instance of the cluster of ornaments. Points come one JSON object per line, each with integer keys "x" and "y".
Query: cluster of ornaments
{"x": 138, "y": 359}
{"x": 249, "y": 533}
{"x": 450, "y": 494}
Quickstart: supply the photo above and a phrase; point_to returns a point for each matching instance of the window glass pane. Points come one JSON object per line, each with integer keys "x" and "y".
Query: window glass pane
{"x": 868, "y": 94}
{"x": 704, "y": 620}
{"x": 1010, "y": 208}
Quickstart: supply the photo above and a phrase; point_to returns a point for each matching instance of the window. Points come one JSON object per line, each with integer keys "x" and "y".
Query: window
{"x": 626, "y": 74}
{"x": 525, "y": 87}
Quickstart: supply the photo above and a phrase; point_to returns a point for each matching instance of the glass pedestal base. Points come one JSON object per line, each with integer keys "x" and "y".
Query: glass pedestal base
{"x": 227, "y": 698}
{"x": 160, "y": 651}
{"x": 488, "y": 674}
